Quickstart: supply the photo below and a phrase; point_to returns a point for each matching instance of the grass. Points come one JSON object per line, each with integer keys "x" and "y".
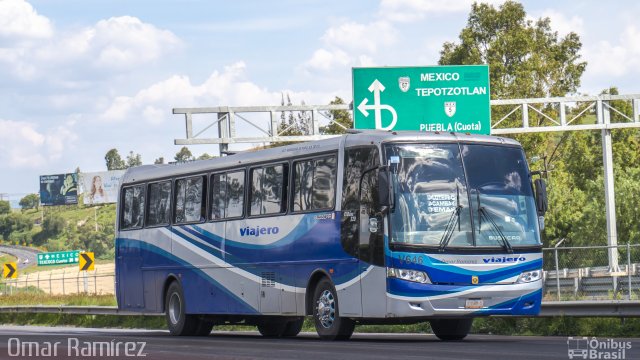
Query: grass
{"x": 6, "y": 258}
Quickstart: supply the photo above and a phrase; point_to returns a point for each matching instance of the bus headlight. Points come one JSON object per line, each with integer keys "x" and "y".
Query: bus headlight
{"x": 529, "y": 276}
{"x": 409, "y": 275}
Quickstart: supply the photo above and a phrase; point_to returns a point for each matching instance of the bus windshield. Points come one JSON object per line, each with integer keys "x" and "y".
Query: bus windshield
{"x": 451, "y": 195}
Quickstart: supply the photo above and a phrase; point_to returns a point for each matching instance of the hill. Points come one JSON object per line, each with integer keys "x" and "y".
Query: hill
{"x": 71, "y": 227}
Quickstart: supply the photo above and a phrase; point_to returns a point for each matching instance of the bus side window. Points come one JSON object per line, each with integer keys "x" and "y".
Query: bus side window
{"x": 227, "y": 195}
{"x": 268, "y": 189}
{"x": 133, "y": 207}
{"x": 314, "y": 184}
{"x": 159, "y": 208}
{"x": 190, "y": 204}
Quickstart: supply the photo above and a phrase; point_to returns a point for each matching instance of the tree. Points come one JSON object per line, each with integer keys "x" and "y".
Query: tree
{"x": 293, "y": 125}
{"x": 114, "y": 161}
{"x": 30, "y": 201}
{"x": 205, "y": 156}
{"x": 340, "y": 120}
{"x": 5, "y": 207}
{"x": 14, "y": 222}
{"x": 184, "y": 155}
{"x": 525, "y": 58}
{"x": 159, "y": 161}
{"x": 133, "y": 159}
{"x": 52, "y": 225}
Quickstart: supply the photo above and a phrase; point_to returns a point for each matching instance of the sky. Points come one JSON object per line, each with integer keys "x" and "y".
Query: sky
{"x": 81, "y": 77}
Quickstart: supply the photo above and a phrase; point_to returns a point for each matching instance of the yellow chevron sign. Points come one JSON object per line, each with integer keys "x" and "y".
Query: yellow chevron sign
{"x": 10, "y": 270}
{"x": 86, "y": 261}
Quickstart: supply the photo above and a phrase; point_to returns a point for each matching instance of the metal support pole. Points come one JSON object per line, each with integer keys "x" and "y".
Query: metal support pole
{"x": 629, "y": 270}
{"x": 223, "y": 131}
{"x": 78, "y": 283}
{"x": 63, "y": 290}
{"x": 555, "y": 252}
{"x": 609, "y": 191}
{"x": 525, "y": 115}
{"x": 274, "y": 124}
{"x": 188, "y": 125}
{"x": 95, "y": 281}
{"x": 315, "y": 121}
{"x": 85, "y": 282}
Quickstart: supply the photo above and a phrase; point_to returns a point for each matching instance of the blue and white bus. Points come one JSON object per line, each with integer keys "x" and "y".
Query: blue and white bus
{"x": 367, "y": 228}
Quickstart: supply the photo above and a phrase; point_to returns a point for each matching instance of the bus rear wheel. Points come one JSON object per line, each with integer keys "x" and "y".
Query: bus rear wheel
{"x": 179, "y": 323}
{"x": 326, "y": 314}
{"x": 451, "y": 329}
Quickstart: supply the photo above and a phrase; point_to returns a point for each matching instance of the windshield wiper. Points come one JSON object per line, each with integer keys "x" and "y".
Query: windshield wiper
{"x": 482, "y": 211}
{"x": 448, "y": 230}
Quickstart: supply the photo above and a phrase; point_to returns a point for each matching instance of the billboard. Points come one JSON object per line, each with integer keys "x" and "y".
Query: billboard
{"x": 61, "y": 189}
{"x": 430, "y": 98}
{"x": 101, "y": 187}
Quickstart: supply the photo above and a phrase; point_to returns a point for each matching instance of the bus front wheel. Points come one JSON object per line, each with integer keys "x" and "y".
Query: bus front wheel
{"x": 451, "y": 329}
{"x": 326, "y": 314}
{"x": 179, "y": 323}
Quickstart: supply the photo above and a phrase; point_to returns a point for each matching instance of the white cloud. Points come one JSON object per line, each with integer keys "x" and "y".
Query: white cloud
{"x": 325, "y": 60}
{"x": 228, "y": 87}
{"x": 413, "y": 10}
{"x": 19, "y": 20}
{"x": 349, "y": 44}
{"x": 561, "y": 23}
{"x": 615, "y": 59}
{"x": 23, "y": 146}
{"x": 360, "y": 37}
{"x": 126, "y": 41}
{"x": 112, "y": 45}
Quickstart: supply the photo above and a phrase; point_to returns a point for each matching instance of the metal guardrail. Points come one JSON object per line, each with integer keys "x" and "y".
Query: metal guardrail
{"x": 612, "y": 308}
{"x": 583, "y": 273}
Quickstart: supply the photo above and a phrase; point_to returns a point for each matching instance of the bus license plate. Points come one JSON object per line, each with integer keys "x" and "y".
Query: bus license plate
{"x": 474, "y": 304}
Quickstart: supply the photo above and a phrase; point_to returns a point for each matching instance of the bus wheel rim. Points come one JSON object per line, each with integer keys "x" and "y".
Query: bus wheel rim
{"x": 174, "y": 308}
{"x": 326, "y": 309}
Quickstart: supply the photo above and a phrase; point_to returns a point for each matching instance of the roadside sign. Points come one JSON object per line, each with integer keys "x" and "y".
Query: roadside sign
{"x": 86, "y": 261}
{"x": 10, "y": 270}
{"x": 432, "y": 98}
{"x": 58, "y": 258}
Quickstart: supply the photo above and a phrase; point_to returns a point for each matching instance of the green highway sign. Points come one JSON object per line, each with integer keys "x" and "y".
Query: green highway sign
{"x": 58, "y": 258}
{"x": 432, "y": 98}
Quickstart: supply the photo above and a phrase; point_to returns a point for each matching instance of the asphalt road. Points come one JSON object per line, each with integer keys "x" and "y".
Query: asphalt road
{"x": 307, "y": 346}
{"x": 26, "y": 256}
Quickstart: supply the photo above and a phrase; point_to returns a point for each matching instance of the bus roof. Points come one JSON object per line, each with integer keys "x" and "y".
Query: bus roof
{"x": 367, "y": 137}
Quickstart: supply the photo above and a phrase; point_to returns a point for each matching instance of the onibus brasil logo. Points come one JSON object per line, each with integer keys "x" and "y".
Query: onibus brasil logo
{"x": 594, "y": 348}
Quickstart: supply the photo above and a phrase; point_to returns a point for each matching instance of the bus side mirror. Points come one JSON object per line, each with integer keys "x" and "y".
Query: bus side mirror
{"x": 542, "y": 203}
{"x": 383, "y": 188}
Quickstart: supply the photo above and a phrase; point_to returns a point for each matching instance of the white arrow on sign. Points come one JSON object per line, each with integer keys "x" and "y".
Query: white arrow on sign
{"x": 376, "y": 88}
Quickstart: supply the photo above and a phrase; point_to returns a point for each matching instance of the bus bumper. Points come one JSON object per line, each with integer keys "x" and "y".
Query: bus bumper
{"x": 484, "y": 300}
